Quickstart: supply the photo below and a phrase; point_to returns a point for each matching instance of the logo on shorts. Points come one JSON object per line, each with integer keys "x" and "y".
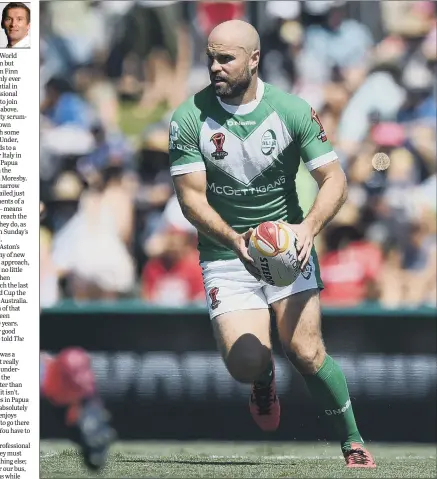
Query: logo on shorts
{"x": 315, "y": 117}
{"x": 306, "y": 273}
{"x": 268, "y": 142}
{"x": 219, "y": 140}
{"x": 213, "y": 297}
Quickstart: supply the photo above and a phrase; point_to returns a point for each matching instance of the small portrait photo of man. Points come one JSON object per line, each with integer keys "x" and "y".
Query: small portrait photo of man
{"x": 15, "y": 25}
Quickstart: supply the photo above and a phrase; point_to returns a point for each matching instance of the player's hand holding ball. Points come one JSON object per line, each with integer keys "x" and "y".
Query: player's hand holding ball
{"x": 273, "y": 246}
{"x": 304, "y": 243}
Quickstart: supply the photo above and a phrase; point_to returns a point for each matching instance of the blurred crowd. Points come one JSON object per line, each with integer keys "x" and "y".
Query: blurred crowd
{"x": 113, "y": 72}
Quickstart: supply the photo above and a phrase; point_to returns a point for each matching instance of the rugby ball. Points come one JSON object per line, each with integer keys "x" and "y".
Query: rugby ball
{"x": 272, "y": 246}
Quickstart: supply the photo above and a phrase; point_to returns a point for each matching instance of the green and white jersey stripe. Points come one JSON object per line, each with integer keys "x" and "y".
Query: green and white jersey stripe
{"x": 251, "y": 154}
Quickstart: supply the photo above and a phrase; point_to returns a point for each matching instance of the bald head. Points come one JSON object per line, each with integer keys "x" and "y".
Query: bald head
{"x": 233, "y": 57}
{"x": 235, "y": 34}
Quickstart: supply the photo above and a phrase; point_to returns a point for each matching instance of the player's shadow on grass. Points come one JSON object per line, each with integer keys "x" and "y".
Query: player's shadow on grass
{"x": 202, "y": 462}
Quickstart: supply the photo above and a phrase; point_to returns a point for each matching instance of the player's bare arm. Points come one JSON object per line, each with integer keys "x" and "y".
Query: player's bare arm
{"x": 191, "y": 192}
{"x": 332, "y": 194}
{"x": 330, "y": 198}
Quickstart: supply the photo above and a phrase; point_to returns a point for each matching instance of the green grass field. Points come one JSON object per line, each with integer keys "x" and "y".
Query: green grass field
{"x": 260, "y": 460}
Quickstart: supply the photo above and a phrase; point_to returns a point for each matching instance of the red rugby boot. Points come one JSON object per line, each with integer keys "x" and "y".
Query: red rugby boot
{"x": 358, "y": 457}
{"x": 264, "y": 405}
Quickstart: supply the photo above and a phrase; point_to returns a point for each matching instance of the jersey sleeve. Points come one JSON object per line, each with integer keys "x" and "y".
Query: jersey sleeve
{"x": 184, "y": 152}
{"x": 309, "y": 134}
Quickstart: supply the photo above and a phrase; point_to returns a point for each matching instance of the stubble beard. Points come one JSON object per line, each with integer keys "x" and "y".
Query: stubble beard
{"x": 235, "y": 88}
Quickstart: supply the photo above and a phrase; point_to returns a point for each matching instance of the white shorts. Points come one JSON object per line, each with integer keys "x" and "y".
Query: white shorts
{"x": 230, "y": 287}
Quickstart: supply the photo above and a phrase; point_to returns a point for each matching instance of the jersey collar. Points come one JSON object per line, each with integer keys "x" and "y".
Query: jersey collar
{"x": 247, "y": 107}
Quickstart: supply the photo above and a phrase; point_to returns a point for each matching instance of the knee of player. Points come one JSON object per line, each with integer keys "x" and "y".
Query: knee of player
{"x": 307, "y": 357}
{"x": 247, "y": 364}
{"x": 248, "y": 370}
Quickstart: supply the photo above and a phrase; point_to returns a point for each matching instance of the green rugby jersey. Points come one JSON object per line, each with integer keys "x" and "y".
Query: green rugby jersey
{"x": 251, "y": 154}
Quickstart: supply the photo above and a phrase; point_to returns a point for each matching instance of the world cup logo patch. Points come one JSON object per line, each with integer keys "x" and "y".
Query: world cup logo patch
{"x": 219, "y": 140}
{"x": 315, "y": 117}
{"x": 213, "y": 297}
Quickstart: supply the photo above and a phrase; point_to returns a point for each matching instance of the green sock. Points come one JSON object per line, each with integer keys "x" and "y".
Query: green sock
{"x": 328, "y": 386}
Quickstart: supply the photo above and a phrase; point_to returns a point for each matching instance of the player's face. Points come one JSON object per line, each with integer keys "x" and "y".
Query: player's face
{"x": 15, "y": 24}
{"x": 229, "y": 70}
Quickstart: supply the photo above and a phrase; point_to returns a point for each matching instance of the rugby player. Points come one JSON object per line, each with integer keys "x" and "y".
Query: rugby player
{"x": 67, "y": 381}
{"x": 235, "y": 148}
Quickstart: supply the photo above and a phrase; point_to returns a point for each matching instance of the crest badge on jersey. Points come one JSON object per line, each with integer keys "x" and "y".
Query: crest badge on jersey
{"x": 174, "y": 135}
{"x": 268, "y": 142}
{"x": 315, "y": 117}
{"x": 219, "y": 140}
